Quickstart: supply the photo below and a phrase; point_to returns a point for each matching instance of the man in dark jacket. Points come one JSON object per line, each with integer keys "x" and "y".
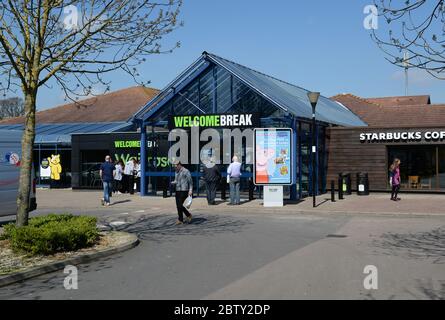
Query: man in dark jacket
{"x": 212, "y": 177}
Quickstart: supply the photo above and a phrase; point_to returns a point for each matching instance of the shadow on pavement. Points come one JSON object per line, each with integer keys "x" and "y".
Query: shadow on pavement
{"x": 422, "y": 245}
{"x": 163, "y": 228}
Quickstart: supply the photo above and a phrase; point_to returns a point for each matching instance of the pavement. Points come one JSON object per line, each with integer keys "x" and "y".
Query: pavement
{"x": 248, "y": 252}
{"x": 374, "y": 204}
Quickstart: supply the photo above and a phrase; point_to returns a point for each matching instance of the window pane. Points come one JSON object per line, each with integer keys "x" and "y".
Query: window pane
{"x": 442, "y": 167}
{"x": 206, "y": 98}
{"x": 418, "y": 166}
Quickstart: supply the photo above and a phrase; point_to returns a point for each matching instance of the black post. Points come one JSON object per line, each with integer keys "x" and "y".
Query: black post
{"x": 251, "y": 187}
{"x": 340, "y": 188}
{"x": 314, "y": 150}
{"x": 332, "y": 190}
{"x": 166, "y": 187}
{"x": 223, "y": 189}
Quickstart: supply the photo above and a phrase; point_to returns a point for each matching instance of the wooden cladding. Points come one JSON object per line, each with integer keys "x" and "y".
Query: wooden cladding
{"x": 346, "y": 153}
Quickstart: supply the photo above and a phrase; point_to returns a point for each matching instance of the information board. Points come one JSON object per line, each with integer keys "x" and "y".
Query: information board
{"x": 273, "y": 161}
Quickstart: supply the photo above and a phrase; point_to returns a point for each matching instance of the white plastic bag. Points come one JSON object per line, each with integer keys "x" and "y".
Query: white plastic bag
{"x": 228, "y": 178}
{"x": 188, "y": 202}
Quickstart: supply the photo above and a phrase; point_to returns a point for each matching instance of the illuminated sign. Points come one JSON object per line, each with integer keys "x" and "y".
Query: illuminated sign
{"x": 246, "y": 120}
{"x": 273, "y": 161}
{"x": 127, "y": 144}
{"x": 403, "y": 136}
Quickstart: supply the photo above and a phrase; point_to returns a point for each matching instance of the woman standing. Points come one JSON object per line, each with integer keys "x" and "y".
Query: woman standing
{"x": 118, "y": 176}
{"x": 394, "y": 173}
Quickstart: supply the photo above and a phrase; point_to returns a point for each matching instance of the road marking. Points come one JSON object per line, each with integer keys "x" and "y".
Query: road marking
{"x": 140, "y": 211}
{"x": 125, "y": 213}
{"x": 117, "y": 223}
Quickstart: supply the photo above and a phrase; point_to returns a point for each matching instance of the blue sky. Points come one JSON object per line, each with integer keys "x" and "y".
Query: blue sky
{"x": 319, "y": 45}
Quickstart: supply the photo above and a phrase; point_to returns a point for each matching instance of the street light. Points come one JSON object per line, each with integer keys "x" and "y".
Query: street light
{"x": 313, "y": 99}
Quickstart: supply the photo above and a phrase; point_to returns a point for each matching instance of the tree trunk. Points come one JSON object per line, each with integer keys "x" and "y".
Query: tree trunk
{"x": 23, "y": 197}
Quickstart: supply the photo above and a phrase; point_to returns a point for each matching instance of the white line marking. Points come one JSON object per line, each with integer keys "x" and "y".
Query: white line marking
{"x": 117, "y": 223}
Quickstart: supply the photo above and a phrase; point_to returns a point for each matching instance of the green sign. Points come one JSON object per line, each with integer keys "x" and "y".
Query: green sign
{"x": 127, "y": 144}
{"x": 215, "y": 121}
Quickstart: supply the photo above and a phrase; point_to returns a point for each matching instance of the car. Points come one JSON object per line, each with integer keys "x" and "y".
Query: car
{"x": 10, "y": 161}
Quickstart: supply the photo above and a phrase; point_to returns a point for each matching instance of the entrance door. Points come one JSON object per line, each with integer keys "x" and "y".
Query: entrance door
{"x": 441, "y": 167}
{"x": 305, "y": 149}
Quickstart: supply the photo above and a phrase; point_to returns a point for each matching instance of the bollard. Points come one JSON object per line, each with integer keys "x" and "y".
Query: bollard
{"x": 223, "y": 189}
{"x": 332, "y": 191}
{"x": 165, "y": 188}
{"x": 340, "y": 189}
{"x": 251, "y": 187}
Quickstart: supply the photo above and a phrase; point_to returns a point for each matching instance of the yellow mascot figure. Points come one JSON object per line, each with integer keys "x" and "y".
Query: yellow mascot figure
{"x": 56, "y": 167}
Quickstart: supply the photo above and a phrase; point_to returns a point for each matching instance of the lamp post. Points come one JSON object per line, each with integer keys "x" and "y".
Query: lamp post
{"x": 313, "y": 99}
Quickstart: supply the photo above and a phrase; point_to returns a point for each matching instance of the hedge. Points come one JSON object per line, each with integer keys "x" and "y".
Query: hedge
{"x": 53, "y": 233}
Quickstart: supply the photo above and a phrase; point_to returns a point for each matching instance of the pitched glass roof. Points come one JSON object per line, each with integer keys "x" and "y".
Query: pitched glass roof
{"x": 286, "y": 96}
{"x": 61, "y": 132}
{"x": 291, "y": 98}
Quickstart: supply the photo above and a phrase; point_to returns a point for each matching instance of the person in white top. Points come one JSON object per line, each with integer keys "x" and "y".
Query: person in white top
{"x": 129, "y": 175}
{"x": 234, "y": 177}
{"x": 137, "y": 178}
{"x": 118, "y": 176}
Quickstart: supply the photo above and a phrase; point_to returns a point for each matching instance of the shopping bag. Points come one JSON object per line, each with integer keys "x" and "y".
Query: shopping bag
{"x": 188, "y": 202}
{"x": 228, "y": 178}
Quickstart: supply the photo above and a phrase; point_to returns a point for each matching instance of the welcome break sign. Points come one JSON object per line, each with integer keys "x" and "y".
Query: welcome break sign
{"x": 244, "y": 120}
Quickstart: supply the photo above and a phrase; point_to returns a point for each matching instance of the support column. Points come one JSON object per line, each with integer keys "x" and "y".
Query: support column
{"x": 293, "y": 188}
{"x": 317, "y": 160}
{"x": 143, "y": 160}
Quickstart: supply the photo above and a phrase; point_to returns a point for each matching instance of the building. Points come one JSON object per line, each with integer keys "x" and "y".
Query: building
{"x": 216, "y": 86}
{"x": 409, "y": 128}
{"x": 353, "y": 134}
{"x": 106, "y": 113}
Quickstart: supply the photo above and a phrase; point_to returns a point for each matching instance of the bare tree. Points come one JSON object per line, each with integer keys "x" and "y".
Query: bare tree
{"x": 72, "y": 44}
{"x": 416, "y": 28}
{"x": 11, "y": 107}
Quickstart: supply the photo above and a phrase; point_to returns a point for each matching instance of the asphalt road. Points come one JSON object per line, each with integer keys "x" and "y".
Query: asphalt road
{"x": 236, "y": 256}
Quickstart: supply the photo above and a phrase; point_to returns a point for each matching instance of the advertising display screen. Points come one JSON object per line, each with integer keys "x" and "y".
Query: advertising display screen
{"x": 273, "y": 157}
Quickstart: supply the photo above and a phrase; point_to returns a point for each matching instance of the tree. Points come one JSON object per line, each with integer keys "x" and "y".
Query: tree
{"x": 416, "y": 37}
{"x": 11, "y": 107}
{"x": 73, "y": 44}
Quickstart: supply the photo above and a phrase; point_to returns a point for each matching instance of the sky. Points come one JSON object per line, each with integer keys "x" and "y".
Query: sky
{"x": 318, "y": 45}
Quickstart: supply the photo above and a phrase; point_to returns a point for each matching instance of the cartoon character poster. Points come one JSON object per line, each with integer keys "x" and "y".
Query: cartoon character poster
{"x": 273, "y": 156}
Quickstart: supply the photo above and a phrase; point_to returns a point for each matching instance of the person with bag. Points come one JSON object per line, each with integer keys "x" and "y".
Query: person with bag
{"x": 394, "y": 174}
{"x": 234, "y": 179}
{"x": 212, "y": 176}
{"x": 184, "y": 189}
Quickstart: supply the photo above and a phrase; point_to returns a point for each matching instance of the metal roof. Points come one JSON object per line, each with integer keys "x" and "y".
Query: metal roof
{"x": 61, "y": 132}
{"x": 289, "y": 97}
{"x": 286, "y": 96}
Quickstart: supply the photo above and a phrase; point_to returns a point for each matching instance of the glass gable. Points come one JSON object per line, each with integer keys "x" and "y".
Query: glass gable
{"x": 231, "y": 94}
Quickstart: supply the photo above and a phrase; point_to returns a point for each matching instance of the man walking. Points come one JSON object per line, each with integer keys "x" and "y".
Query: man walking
{"x": 107, "y": 171}
{"x": 212, "y": 177}
{"x": 184, "y": 188}
{"x": 234, "y": 173}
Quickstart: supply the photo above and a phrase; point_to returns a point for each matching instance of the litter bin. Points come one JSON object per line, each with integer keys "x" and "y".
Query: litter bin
{"x": 345, "y": 179}
{"x": 362, "y": 184}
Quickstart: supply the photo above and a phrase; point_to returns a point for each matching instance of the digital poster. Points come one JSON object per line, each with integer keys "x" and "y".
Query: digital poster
{"x": 273, "y": 157}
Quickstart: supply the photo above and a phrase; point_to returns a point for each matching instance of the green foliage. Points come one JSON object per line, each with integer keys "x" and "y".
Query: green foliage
{"x": 53, "y": 233}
